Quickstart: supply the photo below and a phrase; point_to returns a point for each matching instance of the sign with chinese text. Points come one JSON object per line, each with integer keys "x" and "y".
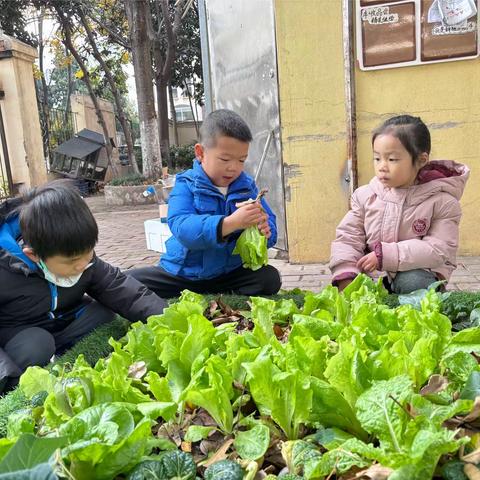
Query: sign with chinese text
{"x": 395, "y": 34}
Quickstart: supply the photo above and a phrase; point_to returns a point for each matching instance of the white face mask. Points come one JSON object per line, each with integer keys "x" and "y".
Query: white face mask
{"x": 65, "y": 282}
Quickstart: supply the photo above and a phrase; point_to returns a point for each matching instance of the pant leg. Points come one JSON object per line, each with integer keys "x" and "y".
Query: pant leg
{"x": 243, "y": 281}
{"x": 31, "y": 346}
{"x": 90, "y": 317}
{"x": 411, "y": 280}
{"x": 164, "y": 284}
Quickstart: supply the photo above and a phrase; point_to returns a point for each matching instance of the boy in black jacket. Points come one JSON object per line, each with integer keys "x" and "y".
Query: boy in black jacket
{"x": 47, "y": 265}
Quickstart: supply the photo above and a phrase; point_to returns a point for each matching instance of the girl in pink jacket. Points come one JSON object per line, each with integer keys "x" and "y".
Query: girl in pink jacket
{"x": 405, "y": 221}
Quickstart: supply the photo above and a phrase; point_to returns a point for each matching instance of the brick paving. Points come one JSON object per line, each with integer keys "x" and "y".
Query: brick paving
{"x": 122, "y": 243}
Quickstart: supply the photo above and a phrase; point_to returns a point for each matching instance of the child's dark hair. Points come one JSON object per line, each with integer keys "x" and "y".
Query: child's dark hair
{"x": 411, "y": 131}
{"x": 55, "y": 220}
{"x": 224, "y": 123}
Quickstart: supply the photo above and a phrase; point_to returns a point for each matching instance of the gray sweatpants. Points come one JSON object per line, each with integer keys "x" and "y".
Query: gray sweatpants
{"x": 411, "y": 280}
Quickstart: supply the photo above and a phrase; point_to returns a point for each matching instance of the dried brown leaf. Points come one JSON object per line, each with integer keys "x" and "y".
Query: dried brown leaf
{"x": 375, "y": 472}
{"x": 238, "y": 385}
{"x": 410, "y": 410}
{"x": 226, "y": 309}
{"x": 475, "y": 413}
{"x": 471, "y": 471}
{"x": 137, "y": 369}
{"x": 436, "y": 383}
{"x": 278, "y": 330}
{"x": 203, "y": 418}
{"x": 220, "y": 454}
{"x": 213, "y": 307}
{"x": 186, "y": 446}
{"x": 225, "y": 319}
{"x": 473, "y": 457}
{"x": 475, "y": 356}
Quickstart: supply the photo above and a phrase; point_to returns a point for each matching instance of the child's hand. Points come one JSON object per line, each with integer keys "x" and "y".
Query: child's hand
{"x": 264, "y": 227}
{"x": 246, "y": 216}
{"x": 368, "y": 263}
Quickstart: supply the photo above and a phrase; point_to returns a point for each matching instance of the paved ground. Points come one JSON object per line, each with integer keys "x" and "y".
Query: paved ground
{"x": 122, "y": 243}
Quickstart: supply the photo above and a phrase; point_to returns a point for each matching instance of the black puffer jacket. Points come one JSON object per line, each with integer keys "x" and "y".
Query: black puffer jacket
{"x": 27, "y": 299}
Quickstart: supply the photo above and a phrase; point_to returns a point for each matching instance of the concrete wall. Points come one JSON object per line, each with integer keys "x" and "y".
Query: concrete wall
{"x": 86, "y": 117}
{"x": 20, "y": 112}
{"x": 310, "y": 65}
{"x": 186, "y": 133}
{"x": 310, "y": 70}
{"x": 447, "y": 97}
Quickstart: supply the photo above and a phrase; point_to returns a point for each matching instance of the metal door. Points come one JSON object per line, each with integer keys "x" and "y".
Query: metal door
{"x": 240, "y": 73}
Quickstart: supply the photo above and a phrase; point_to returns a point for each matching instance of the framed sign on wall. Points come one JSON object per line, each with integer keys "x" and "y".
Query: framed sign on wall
{"x": 403, "y": 33}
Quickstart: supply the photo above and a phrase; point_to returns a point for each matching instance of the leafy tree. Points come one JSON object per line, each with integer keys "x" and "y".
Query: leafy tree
{"x": 13, "y": 20}
{"x": 188, "y": 61}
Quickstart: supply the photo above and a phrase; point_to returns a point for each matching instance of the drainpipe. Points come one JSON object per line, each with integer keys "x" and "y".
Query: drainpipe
{"x": 349, "y": 81}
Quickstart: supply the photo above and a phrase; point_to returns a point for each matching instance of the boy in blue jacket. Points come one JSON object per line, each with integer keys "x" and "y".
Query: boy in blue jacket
{"x": 205, "y": 222}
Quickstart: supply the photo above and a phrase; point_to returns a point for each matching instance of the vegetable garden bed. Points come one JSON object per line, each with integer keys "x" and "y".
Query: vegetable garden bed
{"x": 310, "y": 386}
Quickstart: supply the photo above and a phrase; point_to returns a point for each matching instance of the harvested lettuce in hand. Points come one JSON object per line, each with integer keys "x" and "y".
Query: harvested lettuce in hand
{"x": 252, "y": 248}
{"x": 251, "y": 244}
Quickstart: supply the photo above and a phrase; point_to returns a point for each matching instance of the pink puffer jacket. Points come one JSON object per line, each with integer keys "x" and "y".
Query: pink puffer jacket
{"x": 408, "y": 228}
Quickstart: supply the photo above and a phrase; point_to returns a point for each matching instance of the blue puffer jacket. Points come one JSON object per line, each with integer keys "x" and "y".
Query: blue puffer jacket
{"x": 195, "y": 209}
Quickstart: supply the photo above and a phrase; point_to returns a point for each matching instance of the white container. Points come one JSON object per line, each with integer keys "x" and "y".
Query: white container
{"x": 156, "y": 234}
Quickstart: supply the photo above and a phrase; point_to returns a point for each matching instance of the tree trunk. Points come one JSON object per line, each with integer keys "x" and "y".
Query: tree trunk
{"x": 164, "y": 64}
{"x": 174, "y": 113}
{"x": 191, "y": 107}
{"x": 69, "y": 44}
{"x": 68, "y": 106}
{"x": 116, "y": 95}
{"x": 162, "y": 109}
{"x": 44, "y": 97}
{"x": 137, "y": 14}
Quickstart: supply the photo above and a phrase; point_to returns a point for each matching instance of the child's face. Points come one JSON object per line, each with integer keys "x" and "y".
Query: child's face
{"x": 393, "y": 164}
{"x": 68, "y": 266}
{"x": 224, "y": 162}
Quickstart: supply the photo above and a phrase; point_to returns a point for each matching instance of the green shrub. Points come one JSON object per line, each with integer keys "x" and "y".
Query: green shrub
{"x": 182, "y": 156}
{"x": 128, "y": 180}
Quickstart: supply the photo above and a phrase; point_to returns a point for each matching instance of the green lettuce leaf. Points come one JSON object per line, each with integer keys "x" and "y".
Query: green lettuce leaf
{"x": 380, "y": 413}
{"x": 104, "y": 441}
{"x": 252, "y": 248}
{"x": 285, "y": 395}
{"x": 330, "y": 409}
{"x": 252, "y": 444}
{"x": 30, "y": 451}
{"x": 211, "y": 388}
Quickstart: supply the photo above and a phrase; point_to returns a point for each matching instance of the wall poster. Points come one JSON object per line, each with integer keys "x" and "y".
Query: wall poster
{"x": 392, "y": 33}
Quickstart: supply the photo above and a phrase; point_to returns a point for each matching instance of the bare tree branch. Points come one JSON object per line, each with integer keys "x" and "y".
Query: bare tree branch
{"x": 66, "y": 26}
{"x": 113, "y": 87}
{"x": 114, "y": 35}
{"x": 172, "y": 32}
